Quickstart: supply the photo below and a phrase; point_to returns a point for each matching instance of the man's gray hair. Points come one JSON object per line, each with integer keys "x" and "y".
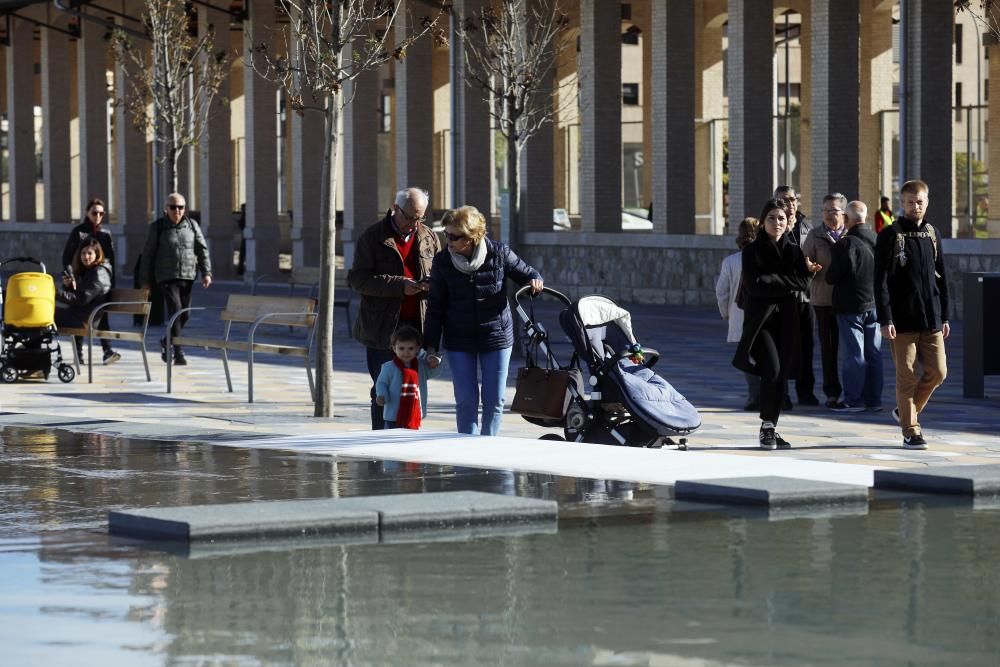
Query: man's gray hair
{"x": 857, "y": 210}
{"x": 782, "y": 189}
{"x": 836, "y": 197}
{"x": 403, "y": 196}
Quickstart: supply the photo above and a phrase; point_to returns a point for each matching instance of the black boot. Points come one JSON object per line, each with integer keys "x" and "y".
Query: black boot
{"x": 179, "y": 358}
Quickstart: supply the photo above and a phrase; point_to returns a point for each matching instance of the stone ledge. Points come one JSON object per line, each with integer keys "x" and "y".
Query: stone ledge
{"x": 769, "y": 491}
{"x": 330, "y": 517}
{"x": 970, "y": 480}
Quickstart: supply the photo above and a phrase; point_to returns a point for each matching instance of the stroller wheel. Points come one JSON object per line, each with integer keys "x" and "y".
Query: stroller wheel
{"x": 66, "y": 373}
{"x": 552, "y": 436}
{"x": 8, "y": 374}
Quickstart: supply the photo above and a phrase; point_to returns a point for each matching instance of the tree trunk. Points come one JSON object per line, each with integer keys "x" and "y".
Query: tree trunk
{"x": 513, "y": 187}
{"x": 328, "y": 263}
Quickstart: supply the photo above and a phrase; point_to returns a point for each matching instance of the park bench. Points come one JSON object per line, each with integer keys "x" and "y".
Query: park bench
{"x": 254, "y": 311}
{"x": 309, "y": 276}
{"x": 120, "y": 300}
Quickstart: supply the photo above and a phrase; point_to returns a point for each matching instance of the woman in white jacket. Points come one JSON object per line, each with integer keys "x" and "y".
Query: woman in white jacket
{"x": 726, "y": 288}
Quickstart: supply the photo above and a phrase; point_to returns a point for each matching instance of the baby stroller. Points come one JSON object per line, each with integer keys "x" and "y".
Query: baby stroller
{"x": 29, "y": 337}
{"x": 629, "y": 404}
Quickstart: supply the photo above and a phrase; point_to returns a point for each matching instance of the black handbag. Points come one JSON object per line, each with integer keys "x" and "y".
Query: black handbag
{"x": 542, "y": 393}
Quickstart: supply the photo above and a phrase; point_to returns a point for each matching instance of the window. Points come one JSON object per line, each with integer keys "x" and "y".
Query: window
{"x": 958, "y": 94}
{"x": 630, "y": 93}
{"x": 958, "y": 43}
{"x": 986, "y": 90}
{"x": 385, "y": 113}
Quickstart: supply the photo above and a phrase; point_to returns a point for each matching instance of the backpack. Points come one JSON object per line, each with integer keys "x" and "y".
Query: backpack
{"x": 899, "y": 258}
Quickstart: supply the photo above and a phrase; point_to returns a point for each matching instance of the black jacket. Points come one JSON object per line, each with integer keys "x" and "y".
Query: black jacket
{"x": 852, "y": 271}
{"x": 799, "y": 229}
{"x": 91, "y": 290}
{"x": 773, "y": 274}
{"x": 912, "y": 296}
{"x": 472, "y": 309}
{"x": 81, "y": 233}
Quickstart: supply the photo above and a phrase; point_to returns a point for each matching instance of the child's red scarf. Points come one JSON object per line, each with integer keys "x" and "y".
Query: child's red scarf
{"x": 408, "y": 415}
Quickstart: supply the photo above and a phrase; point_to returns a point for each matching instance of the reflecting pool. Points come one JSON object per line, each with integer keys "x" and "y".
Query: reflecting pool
{"x": 629, "y": 577}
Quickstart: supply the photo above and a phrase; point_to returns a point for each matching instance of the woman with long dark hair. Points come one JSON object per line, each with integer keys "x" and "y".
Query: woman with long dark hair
{"x": 86, "y": 285}
{"x": 774, "y": 269}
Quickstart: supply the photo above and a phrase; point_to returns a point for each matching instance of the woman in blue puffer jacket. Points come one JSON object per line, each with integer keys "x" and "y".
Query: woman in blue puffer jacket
{"x": 468, "y": 304}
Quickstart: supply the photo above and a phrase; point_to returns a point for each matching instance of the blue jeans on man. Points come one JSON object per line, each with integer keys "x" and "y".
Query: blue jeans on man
{"x": 861, "y": 359}
{"x": 465, "y": 368}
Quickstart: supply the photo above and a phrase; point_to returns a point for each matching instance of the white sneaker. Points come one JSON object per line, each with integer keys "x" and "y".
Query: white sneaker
{"x": 895, "y": 415}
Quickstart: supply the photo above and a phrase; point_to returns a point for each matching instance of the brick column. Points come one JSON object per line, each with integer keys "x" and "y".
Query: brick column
{"x": 993, "y": 143}
{"x": 131, "y": 178}
{"x": 414, "y": 107}
{"x": 55, "y": 121}
{"x": 473, "y": 174}
{"x": 834, "y": 112}
{"x": 929, "y": 90}
{"x": 536, "y": 180}
{"x": 215, "y": 169}
{"x": 92, "y": 99}
{"x": 751, "y": 86}
{"x": 361, "y": 126}
{"x": 21, "y": 121}
{"x": 261, "y": 157}
{"x": 601, "y": 116}
{"x": 673, "y": 125}
{"x": 804, "y": 184}
{"x": 708, "y": 107}
{"x": 306, "y": 160}
{"x": 875, "y": 95}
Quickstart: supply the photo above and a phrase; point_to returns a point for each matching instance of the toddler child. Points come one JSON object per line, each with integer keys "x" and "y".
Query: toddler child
{"x": 401, "y": 387}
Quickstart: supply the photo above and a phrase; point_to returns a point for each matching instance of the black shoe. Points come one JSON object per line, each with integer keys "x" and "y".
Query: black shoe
{"x": 914, "y": 442}
{"x": 808, "y": 400}
{"x": 832, "y": 403}
{"x": 110, "y": 357}
{"x": 786, "y": 404}
{"x": 163, "y": 349}
{"x": 767, "y": 436}
{"x": 782, "y": 443}
{"x": 179, "y": 358}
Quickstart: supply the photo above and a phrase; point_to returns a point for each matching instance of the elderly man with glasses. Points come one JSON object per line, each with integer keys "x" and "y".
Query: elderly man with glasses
{"x": 174, "y": 254}
{"x": 818, "y": 246}
{"x": 391, "y": 271}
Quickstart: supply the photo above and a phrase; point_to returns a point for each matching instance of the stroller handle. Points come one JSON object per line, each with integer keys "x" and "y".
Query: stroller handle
{"x": 519, "y": 294}
{"x": 29, "y": 260}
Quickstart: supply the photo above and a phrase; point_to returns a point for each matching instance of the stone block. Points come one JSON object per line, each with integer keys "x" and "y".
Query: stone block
{"x": 330, "y": 517}
{"x": 961, "y": 480}
{"x": 769, "y": 491}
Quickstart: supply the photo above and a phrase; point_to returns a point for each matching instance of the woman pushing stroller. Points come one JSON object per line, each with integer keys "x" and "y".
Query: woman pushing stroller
{"x": 84, "y": 287}
{"x": 774, "y": 269}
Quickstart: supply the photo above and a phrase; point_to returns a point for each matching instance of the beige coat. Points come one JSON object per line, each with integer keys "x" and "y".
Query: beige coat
{"x": 818, "y": 246}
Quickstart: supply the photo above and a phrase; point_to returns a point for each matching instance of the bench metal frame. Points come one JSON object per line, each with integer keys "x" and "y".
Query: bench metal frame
{"x": 225, "y": 344}
{"x": 110, "y": 334}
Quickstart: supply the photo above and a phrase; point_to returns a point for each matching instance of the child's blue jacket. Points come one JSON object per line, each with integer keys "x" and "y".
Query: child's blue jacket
{"x": 390, "y": 381}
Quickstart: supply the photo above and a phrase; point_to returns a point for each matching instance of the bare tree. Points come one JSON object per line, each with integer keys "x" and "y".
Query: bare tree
{"x": 510, "y": 49}
{"x": 312, "y": 70}
{"x": 984, "y": 12}
{"x": 170, "y": 86}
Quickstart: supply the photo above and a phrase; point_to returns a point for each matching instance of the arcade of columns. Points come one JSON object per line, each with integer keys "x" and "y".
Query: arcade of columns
{"x": 847, "y": 76}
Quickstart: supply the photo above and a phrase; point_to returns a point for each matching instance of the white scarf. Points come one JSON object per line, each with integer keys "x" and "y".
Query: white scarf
{"x": 469, "y": 264}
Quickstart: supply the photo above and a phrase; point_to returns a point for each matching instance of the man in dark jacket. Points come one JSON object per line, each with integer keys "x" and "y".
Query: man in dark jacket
{"x": 852, "y": 274}
{"x": 911, "y": 298}
{"x": 174, "y": 254}
{"x": 391, "y": 271}
{"x": 805, "y": 378}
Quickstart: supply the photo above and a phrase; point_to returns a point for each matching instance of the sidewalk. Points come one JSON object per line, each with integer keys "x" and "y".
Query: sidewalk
{"x": 694, "y": 358}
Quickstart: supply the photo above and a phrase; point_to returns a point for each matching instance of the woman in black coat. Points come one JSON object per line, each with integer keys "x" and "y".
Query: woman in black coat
{"x": 774, "y": 269}
{"x": 83, "y": 289}
{"x": 467, "y": 302}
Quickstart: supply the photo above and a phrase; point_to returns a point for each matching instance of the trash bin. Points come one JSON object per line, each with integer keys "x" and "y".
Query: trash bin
{"x": 981, "y": 294}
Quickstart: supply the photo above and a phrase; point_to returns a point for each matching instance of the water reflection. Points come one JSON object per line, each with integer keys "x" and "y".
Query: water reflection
{"x": 910, "y": 583}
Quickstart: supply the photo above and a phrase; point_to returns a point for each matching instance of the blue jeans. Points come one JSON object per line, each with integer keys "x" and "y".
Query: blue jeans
{"x": 861, "y": 358}
{"x": 493, "y": 365}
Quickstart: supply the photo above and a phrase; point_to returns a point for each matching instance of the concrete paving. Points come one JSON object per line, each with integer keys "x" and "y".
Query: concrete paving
{"x": 961, "y": 480}
{"x": 694, "y": 358}
{"x": 770, "y": 491}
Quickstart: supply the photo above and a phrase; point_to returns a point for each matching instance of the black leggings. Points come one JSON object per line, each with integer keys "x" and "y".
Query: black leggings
{"x": 67, "y": 316}
{"x": 772, "y": 375}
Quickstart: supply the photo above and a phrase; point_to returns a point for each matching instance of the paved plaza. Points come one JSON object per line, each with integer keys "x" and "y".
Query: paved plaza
{"x": 695, "y": 359}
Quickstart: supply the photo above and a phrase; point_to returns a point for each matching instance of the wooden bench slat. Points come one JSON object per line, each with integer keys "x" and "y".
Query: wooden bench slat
{"x": 241, "y": 346}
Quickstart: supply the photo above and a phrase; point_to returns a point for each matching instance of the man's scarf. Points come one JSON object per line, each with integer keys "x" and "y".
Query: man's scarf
{"x": 408, "y": 415}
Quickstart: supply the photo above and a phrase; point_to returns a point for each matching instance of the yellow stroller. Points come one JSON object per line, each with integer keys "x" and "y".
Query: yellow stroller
{"x": 29, "y": 331}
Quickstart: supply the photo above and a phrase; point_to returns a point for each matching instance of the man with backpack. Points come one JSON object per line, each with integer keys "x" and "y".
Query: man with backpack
{"x": 911, "y": 300}
{"x": 174, "y": 254}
